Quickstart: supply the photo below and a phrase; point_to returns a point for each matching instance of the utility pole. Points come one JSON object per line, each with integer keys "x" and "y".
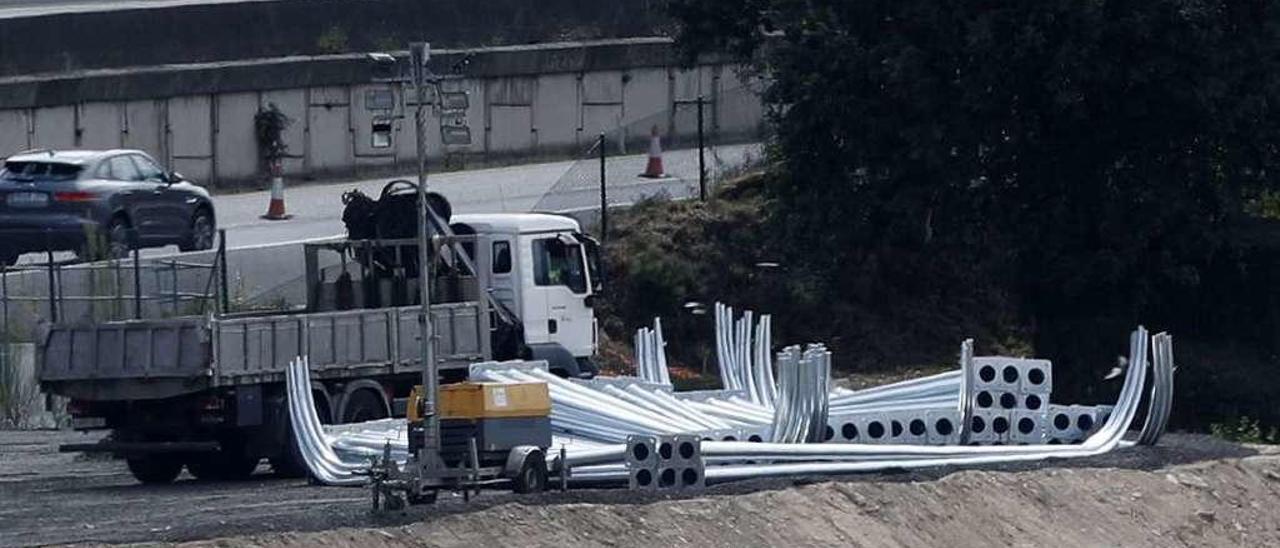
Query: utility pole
{"x": 702, "y": 161}
{"x": 428, "y": 453}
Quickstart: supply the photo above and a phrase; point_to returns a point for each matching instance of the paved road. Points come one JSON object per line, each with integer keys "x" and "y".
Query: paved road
{"x": 567, "y": 186}
{"x": 48, "y": 497}
{"x": 317, "y": 209}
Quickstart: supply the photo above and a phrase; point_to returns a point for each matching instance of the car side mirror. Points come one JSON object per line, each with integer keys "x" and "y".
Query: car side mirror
{"x": 174, "y": 177}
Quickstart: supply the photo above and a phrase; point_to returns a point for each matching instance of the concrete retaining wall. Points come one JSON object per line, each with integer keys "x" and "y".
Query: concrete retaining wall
{"x": 525, "y": 102}
{"x": 220, "y": 31}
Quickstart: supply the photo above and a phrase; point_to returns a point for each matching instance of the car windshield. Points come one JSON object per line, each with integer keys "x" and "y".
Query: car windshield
{"x": 39, "y": 171}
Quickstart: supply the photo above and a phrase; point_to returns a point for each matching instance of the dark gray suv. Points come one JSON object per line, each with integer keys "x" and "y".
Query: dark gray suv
{"x": 98, "y": 204}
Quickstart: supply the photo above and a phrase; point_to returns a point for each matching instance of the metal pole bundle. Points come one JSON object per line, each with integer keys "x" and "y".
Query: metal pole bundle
{"x": 597, "y": 422}
{"x": 651, "y": 354}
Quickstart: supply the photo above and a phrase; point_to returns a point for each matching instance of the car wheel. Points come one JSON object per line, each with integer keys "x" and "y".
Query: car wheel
{"x": 117, "y": 245}
{"x": 202, "y": 232}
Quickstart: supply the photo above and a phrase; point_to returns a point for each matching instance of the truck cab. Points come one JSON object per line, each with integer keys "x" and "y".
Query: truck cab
{"x": 544, "y": 270}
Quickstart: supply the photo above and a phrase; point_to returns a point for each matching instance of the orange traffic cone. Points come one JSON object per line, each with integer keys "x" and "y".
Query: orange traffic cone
{"x": 275, "y": 209}
{"x": 653, "y": 170}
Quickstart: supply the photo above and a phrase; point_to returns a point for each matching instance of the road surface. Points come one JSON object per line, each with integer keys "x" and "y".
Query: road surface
{"x": 567, "y": 186}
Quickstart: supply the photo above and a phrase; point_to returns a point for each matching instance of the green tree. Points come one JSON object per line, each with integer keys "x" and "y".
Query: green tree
{"x": 1092, "y": 154}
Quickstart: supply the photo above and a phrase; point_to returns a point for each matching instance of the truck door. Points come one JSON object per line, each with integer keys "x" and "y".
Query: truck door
{"x": 560, "y": 288}
{"x": 502, "y": 281}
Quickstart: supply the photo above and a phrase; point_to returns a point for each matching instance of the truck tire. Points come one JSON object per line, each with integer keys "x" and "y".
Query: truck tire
{"x": 217, "y": 466}
{"x": 363, "y": 405}
{"x": 155, "y": 469}
{"x": 532, "y": 477}
{"x": 290, "y": 464}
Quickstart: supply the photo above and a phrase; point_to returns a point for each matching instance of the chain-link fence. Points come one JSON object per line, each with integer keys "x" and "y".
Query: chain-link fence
{"x": 703, "y": 141}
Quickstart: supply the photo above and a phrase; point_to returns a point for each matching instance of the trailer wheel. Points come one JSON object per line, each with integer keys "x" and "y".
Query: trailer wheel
{"x": 155, "y": 469}
{"x": 532, "y": 477}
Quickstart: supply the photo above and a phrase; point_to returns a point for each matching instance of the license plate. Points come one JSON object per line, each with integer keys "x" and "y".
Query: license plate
{"x": 27, "y": 199}
{"x": 87, "y": 423}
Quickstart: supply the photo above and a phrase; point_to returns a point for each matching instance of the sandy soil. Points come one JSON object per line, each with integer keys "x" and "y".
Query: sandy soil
{"x": 1188, "y": 491}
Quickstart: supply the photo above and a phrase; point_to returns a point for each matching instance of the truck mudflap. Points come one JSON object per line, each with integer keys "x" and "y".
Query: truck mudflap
{"x": 141, "y": 448}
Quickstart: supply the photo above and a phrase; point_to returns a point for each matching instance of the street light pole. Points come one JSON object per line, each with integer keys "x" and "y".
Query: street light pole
{"x": 428, "y": 454}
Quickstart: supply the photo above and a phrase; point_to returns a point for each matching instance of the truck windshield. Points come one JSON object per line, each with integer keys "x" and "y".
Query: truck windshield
{"x": 556, "y": 263}
{"x": 39, "y": 171}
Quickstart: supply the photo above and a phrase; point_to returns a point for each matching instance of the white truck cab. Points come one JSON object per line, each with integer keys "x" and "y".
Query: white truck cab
{"x": 544, "y": 270}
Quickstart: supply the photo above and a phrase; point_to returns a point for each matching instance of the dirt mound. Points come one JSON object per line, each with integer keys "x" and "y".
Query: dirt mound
{"x": 1228, "y": 502}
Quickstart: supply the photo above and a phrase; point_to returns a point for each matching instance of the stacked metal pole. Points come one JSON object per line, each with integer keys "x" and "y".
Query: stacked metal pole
{"x": 651, "y": 354}
{"x": 598, "y": 422}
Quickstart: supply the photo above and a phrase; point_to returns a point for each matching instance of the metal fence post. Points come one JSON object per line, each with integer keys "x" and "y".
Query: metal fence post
{"x": 137, "y": 284}
{"x": 225, "y": 297}
{"x": 4, "y": 288}
{"x": 53, "y": 287}
{"x": 702, "y": 161}
{"x": 604, "y": 195}
{"x": 173, "y": 270}
{"x": 117, "y": 311}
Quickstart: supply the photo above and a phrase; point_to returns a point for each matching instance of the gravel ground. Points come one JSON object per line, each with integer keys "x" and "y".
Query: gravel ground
{"x": 55, "y": 498}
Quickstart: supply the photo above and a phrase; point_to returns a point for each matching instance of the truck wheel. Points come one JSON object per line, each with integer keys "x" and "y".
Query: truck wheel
{"x": 155, "y": 469}
{"x": 290, "y": 464}
{"x": 363, "y": 406}
{"x": 216, "y": 466}
{"x": 533, "y": 474}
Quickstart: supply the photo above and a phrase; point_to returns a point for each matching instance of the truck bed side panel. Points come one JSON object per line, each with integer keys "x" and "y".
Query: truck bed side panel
{"x": 346, "y": 343}
{"x": 125, "y": 350}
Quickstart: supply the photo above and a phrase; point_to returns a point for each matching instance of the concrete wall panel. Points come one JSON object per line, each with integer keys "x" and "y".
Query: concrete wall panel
{"x": 143, "y": 127}
{"x": 511, "y": 129}
{"x": 597, "y": 118}
{"x": 329, "y": 131}
{"x": 556, "y": 111}
{"x": 190, "y": 133}
{"x": 602, "y": 87}
{"x": 237, "y": 150}
{"x": 647, "y": 103}
{"x": 13, "y": 131}
{"x": 55, "y": 127}
{"x": 100, "y": 125}
{"x": 691, "y": 83}
{"x": 511, "y": 91}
